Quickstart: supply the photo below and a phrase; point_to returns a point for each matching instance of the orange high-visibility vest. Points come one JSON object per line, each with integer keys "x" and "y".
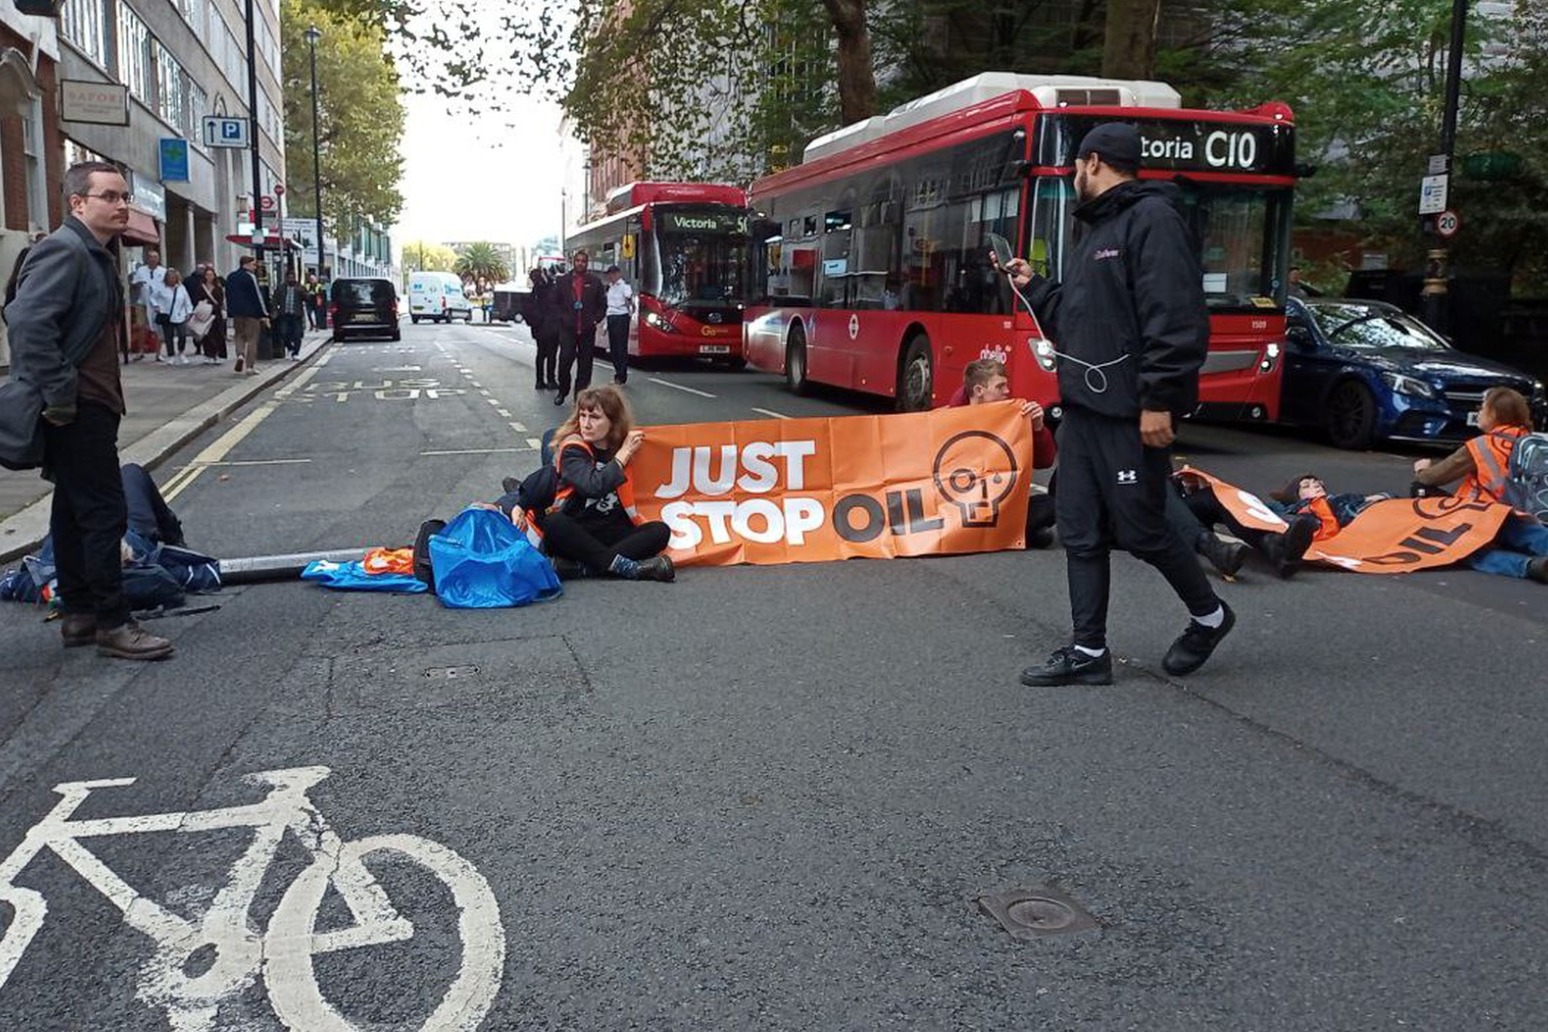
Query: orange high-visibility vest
{"x": 625, "y": 490}
{"x": 1327, "y": 523}
{"x": 1491, "y": 463}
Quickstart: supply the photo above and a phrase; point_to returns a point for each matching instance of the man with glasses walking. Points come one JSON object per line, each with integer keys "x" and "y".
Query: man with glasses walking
{"x": 64, "y": 329}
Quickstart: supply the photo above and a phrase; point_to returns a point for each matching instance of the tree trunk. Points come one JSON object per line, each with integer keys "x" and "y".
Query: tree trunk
{"x": 856, "y": 77}
{"x": 1129, "y": 45}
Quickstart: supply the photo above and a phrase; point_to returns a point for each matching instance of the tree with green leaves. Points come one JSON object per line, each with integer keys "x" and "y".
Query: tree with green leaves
{"x": 360, "y": 116}
{"x": 481, "y": 262}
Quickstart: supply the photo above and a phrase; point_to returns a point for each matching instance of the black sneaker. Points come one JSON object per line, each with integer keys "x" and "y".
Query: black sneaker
{"x": 1537, "y": 569}
{"x": 1069, "y": 665}
{"x": 568, "y": 569}
{"x": 1040, "y": 537}
{"x": 560, "y": 398}
{"x": 1196, "y": 644}
{"x": 658, "y": 568}
{"x": 1225, "y": 556}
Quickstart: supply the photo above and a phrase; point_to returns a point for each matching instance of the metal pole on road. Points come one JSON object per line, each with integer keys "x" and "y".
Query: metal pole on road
{"x": 313, "y": 34}
{"x": 1437, "y": 261}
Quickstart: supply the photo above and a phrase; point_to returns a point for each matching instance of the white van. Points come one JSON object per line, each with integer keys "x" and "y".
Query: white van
{"x": 438, "y": 296}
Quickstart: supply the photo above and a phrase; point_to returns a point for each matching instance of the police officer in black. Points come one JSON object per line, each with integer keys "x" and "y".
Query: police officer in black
{"x": 1131, "y": 330}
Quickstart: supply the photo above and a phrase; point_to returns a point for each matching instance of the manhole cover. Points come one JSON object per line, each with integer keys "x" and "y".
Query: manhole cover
{"x": 451, "y": 673}
{"x": 1034, "y": 913}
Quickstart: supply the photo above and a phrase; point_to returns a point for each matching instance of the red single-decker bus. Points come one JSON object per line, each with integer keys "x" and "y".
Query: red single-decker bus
{"x": 871, "y": 259}
{"x": 683, "y": 247}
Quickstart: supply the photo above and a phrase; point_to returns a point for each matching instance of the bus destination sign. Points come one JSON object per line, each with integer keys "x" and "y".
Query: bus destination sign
{"x": 1183, "y": 146}
{"x": 703, "y": 222}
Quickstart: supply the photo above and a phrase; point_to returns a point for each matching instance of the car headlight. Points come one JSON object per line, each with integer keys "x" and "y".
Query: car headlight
{"x": 1408, "y": 385}
{"x": 656, "y": 322}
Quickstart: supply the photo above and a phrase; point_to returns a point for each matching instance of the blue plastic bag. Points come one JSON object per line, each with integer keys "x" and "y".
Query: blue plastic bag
{"x": 482, "y": 561}
{"x": 353, "y": 577}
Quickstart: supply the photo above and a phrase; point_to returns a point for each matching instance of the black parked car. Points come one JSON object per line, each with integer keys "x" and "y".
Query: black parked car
{"x": 1366, "y": 370}
{"x": 364, "y": 308}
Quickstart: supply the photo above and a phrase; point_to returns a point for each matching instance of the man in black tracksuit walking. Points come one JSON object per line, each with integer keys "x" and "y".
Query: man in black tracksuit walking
{"x": 1132, "y": 329}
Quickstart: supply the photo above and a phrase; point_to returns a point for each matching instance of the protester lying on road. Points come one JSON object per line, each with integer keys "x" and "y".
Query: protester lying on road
{"x": 1307, "y": 495}
{"x": 1483, "y": 467}
{"x": 592, "y": 521}
{"x": 1194, "y": 511}
{"x": 985, "y": 381}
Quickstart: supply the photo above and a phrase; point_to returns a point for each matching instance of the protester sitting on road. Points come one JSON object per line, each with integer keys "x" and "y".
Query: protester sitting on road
{"x": 1307, "y": 495}
{"x": 1482, "y": 465}
{"x": 1194, "y": 511}
{"x": 985, "y": 381}
{"x": 593, "y": 521}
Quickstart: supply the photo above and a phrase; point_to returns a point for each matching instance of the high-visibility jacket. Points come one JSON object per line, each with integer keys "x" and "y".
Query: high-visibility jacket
{"x": 1327, "y": 522}
{"x": 1491, "y": 463}
{"x": 566, "y": 490}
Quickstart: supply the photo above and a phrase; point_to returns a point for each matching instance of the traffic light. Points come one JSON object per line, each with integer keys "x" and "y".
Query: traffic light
{"x": 42, "y": 8}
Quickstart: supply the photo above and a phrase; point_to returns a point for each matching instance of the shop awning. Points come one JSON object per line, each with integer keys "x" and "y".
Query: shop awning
{"x": 271, "y": 240}
{"x": 142, "y": 230}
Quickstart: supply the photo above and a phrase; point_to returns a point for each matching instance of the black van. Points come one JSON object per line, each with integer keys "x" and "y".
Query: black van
{"x": 364, "y": 308}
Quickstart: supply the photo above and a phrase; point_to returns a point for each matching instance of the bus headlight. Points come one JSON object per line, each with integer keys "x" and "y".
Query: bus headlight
{"x": 655, "y": 322}
{"x": 1270, "y": 357}
{"x": 1043, "y": 350}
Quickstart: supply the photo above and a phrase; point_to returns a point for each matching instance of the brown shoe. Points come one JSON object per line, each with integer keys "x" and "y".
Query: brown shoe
{"x": 78, "y": 629}
{"x": 132, "y": 642}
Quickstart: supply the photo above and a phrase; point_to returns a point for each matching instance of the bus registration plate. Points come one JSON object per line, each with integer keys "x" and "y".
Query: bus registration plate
{"x": 714, "y": 349}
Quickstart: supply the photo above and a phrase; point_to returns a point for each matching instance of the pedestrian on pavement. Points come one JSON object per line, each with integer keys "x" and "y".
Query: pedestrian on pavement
{"x": 984, "y": 381}
{"x": 620, "y": 309}
{"x": 290, "y": 307}
{"x": 544, "y": 321}
{"x": 140, "y": 281}
{"x": 592, "y": 520}
{"x": 1520, "y": 549}
{"x": 1132, "y": 330}
{"x": 249, "y": 313}
{"x": 316, "y": 312}
{"x": 179, "y": 311}
{"x": 208, "y": 290}
{"x": 64, "y": 327}
{"x": 580, "y": 302}
{"x": 158, "y": 308}
{"x": 10, "y": 284}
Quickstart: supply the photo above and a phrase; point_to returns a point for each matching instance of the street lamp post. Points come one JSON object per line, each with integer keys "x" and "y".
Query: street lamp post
{"x": 252, "y": 111}
{"x": 1437, "y": 261}
{"x": 313, "y": 34}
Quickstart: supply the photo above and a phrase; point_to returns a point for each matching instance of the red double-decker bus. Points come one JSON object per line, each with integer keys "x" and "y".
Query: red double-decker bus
{"x": 683, "y": 247}
{"x": 871, "y": 262}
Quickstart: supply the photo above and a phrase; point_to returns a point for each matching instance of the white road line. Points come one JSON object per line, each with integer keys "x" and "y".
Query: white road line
{"x": 519, "y": 428}
{"x": 221, "y": 447}
{"x": 680, "y": 387}
{"x": 771, "y": 412}
{"x": 496, "y": 403}
{"x": 535, "y": 443}
{"x": 482, "y": 451}
{"x": 504, "y": 413}
{"x": 248, "y": 462}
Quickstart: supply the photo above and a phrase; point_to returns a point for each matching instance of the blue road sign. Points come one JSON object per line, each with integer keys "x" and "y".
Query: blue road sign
{"x": 174, "y": 160}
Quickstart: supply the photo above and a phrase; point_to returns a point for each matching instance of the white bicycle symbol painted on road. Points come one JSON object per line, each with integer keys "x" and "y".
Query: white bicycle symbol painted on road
{"x": 225, "y": 938}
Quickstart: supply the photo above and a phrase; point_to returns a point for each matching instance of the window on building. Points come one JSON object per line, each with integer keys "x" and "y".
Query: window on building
{"x": 134, "y": 60}
{"x": 37, "y": 179}
{"x": 195, "y": 106}
{"x": 170, "y": 96}
{"x": 84, "y": 23}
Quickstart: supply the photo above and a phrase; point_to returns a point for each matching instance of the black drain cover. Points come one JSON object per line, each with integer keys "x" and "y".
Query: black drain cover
{"x": 1034, "y": 913}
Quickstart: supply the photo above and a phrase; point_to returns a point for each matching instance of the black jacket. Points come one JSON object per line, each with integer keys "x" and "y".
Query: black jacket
{"x": 1132, "y": 286}
{"x": 593, "y": 302}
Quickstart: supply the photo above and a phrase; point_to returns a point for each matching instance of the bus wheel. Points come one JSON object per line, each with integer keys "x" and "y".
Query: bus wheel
{"x": 916, "y": 377}
{"x": 795, "y": 361}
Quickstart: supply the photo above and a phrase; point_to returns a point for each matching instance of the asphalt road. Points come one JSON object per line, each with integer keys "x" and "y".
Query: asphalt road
{"x": 760, "y": 798}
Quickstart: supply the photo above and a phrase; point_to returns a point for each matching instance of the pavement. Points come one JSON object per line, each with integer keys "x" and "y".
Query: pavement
{"x": 169, "y": 405}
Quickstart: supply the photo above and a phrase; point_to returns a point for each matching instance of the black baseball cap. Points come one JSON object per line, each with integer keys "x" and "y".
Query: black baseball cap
{"x": 1117, "y": 143}
{"x": 611, "y": 268}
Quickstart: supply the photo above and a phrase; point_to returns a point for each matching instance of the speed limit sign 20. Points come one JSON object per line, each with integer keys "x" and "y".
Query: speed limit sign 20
{"x": 1447, "y": 223}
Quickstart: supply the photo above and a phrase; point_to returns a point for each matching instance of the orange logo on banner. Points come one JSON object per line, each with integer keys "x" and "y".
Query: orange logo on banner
{"x": 810, "y": 490}
{"x": 1399, "y": 535}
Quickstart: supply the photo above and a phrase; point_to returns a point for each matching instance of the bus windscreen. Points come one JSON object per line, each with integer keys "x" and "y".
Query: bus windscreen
{"x": 1243, "y": 232}
{"x": 700, "y": 259}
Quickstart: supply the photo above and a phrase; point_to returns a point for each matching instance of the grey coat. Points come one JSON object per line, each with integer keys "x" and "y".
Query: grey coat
{"x": 68, "y": 290}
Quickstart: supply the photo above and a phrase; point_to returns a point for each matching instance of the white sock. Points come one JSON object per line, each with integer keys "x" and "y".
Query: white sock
{"x": 1093, "y": 653}
{"x": 1213, "y": 620}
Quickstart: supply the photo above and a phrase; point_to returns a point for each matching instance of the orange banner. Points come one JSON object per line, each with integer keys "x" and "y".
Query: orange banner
{"x": 811, "y": 490}
{"x": 1399, "y": 535}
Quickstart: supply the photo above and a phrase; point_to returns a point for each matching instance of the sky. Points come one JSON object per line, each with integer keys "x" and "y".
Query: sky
{"x": 492, "y": 177}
